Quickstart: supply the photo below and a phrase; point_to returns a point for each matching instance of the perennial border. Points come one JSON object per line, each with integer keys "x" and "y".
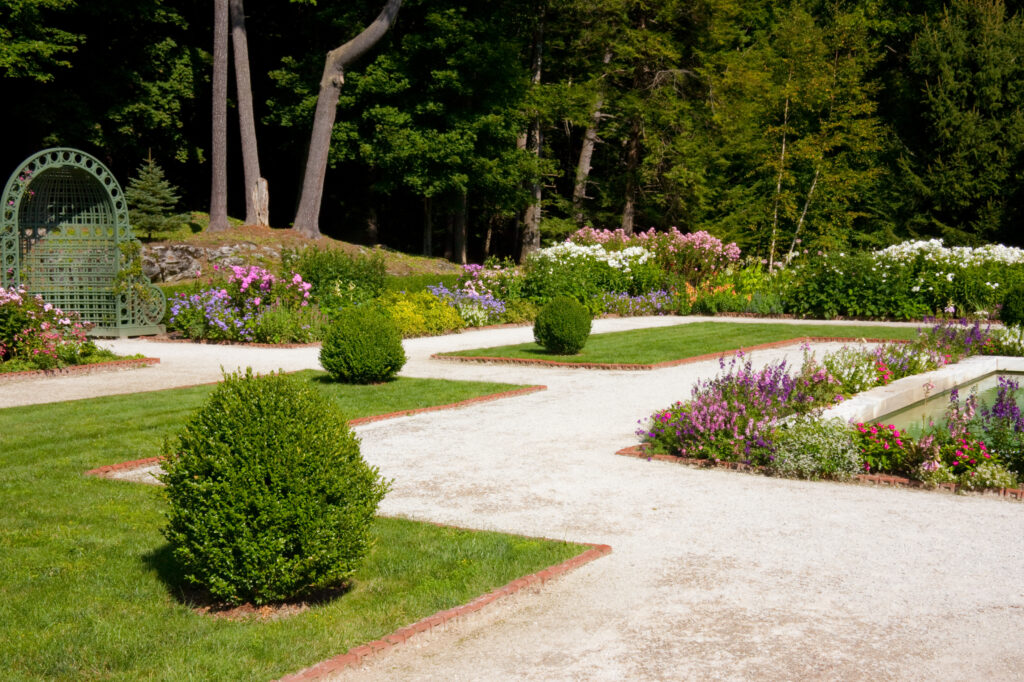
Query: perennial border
{"x": 639, "y": 452}
{"x": 356, "y": 656}
{"x": 494, "y": 360}
{"x": 75, "y": 370}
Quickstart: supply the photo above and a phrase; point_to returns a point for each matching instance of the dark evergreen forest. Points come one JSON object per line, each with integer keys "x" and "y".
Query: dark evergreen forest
{"x": 828, "y": 125}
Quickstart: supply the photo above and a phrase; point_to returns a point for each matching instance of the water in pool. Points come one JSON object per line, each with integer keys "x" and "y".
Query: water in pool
{"x": 915, "y": 417}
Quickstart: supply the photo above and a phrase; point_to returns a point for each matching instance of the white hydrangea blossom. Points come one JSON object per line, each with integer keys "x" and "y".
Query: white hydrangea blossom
{"x": 620, "y": 260}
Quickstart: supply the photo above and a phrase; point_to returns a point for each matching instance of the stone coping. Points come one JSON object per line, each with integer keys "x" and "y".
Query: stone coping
{"x": 108, "y": 470}
{"x": 639, "y": 452}
{"x": 77, "y": 370}
{"x": 875, "y": 403}
{"x": 657, "y": 365}
{"x": 355, "y": 656}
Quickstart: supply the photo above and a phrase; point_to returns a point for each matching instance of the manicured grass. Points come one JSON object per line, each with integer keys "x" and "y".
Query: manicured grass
{"x": 664, "y": 344}
{"x": 87, "y": 589}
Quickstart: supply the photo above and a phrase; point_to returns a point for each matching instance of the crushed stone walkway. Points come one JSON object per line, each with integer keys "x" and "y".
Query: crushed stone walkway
{"x": 714, "y": 574}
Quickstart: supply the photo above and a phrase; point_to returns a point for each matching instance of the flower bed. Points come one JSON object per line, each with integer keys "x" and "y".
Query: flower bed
{"x": 35, "y": 335}
{"x": 769, "y": 417}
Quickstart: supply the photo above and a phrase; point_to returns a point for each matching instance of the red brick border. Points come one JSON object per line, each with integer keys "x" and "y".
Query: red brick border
{"x": 638, "y": 452}
{"x": 657, "y": 365}
{"x": 355, "y": 656}
{"x": 75, "y": 370}
{"x": 104, "y": 471}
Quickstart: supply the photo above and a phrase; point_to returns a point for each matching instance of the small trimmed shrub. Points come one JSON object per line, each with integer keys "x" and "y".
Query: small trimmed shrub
{"x": 362, "y": 346}
{"x": 269, "y": 496}
{"x": 562, "y": 326}
{"x": 813, "y": 448}
{"x": 1013, "y": 307}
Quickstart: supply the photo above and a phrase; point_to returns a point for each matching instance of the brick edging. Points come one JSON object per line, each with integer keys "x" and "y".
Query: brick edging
{"x": 638, "y": 452}
{"x": 243, "y": 344}
{"x": 657, "y": 365}
{"x": 526, "y": 390}
{"x": 355, "y": 656}
{"x": 75, "y": 370}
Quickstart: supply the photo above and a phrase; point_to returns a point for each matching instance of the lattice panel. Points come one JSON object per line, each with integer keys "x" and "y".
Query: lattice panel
{"x": 62, "y": 224}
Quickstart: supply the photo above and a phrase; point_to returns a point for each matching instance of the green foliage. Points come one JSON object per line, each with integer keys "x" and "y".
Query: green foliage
{"x": 30, "y": 45}
{"x": 854, "y": 285}
{"x": 269, "y": 496}
{"x": 421, "y": 314}
{"x": 962, "y": 169}
{"x": 814, "y": 448}
{"x": 362, "y": 346}
{"x": 562, "y": 326}
{"x": 338, "y": 278}
{"x": 151, "y": 202}
{"x": 1012, "y": 312}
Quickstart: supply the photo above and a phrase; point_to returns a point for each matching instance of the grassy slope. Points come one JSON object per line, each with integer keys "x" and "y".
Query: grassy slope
{"x": 662, "y": 344}
{"x": 85, "y": 585}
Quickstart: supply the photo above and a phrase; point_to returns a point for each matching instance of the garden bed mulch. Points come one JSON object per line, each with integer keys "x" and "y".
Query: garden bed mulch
{"x": 110, "y": 469}
{"x": 76, "y": 370}
{"x": 640, "y": 452}
{"x": 355, "y": 656}
{"x": 495, "y": 360}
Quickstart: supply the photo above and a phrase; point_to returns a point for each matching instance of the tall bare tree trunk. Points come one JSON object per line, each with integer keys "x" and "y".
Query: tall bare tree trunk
{"x": 803, "y": 213}
{"x": 534, "y": 144}
{"x": 632, "y": 186}
{"x": 460, "y": 233}
{"x": 778, "y": 181}
{"x": 219, "y": 142}
{"x": 307, "y": 217}
{"x": 256, "y": 199}
{"x": 579, "y": 190}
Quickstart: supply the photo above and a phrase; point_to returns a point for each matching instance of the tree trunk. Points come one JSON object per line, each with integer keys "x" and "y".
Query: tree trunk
{"x": 256, "y": 198}
{"x": 373, "y": 226}
{"x": 307, "y": 217}
{"x": 579, "y": 191}
{"x": 219, "y": 143}
{"x": 534, "y": 144}
{"x": 460, "y": 232}
{"x": 632, "y": 168}
{"x": 803, "y": 213}
{"x": 428, "y": 228}
{"x": 778, "y": 182}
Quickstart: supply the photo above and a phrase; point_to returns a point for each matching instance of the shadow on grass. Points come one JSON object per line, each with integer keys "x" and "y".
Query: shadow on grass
{"x": 161, "y": 561}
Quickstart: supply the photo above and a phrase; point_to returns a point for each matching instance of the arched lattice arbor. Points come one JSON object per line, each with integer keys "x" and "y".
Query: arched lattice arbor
{"x": 64, "y": 235}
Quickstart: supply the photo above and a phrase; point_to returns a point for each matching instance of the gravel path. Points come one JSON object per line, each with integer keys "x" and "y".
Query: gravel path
{"x": 714, "y": 574}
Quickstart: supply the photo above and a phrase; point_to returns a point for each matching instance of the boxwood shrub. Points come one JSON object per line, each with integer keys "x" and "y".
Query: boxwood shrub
{"x": 362, "y": 346}
{"x": 562, "y": 326}
{"x": 269, "y": 496}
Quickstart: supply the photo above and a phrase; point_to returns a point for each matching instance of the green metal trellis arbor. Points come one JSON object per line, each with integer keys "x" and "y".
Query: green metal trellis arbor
{"x": 64, "y": 235}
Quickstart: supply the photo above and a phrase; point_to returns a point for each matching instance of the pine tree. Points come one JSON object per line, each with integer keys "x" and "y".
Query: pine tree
{"x": 151, "y": 201}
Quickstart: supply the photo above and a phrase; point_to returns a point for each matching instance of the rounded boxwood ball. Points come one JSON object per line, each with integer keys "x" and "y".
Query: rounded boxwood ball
{"x": 1012, "y": 312}
{"x": 269, "y": 496}
{"x": 362, "y": 345}
{"x": 562, "y": 326}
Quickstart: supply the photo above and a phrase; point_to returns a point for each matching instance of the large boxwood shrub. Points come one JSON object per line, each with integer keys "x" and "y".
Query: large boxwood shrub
{"x": 362, "y": 346}
{"x": 269, "y": 496}
{"x": 562, "y": 326}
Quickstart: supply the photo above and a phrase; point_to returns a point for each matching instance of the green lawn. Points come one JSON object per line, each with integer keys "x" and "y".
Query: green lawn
{"x": 664, "y": 344}
{"x": 87, "y": 590}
